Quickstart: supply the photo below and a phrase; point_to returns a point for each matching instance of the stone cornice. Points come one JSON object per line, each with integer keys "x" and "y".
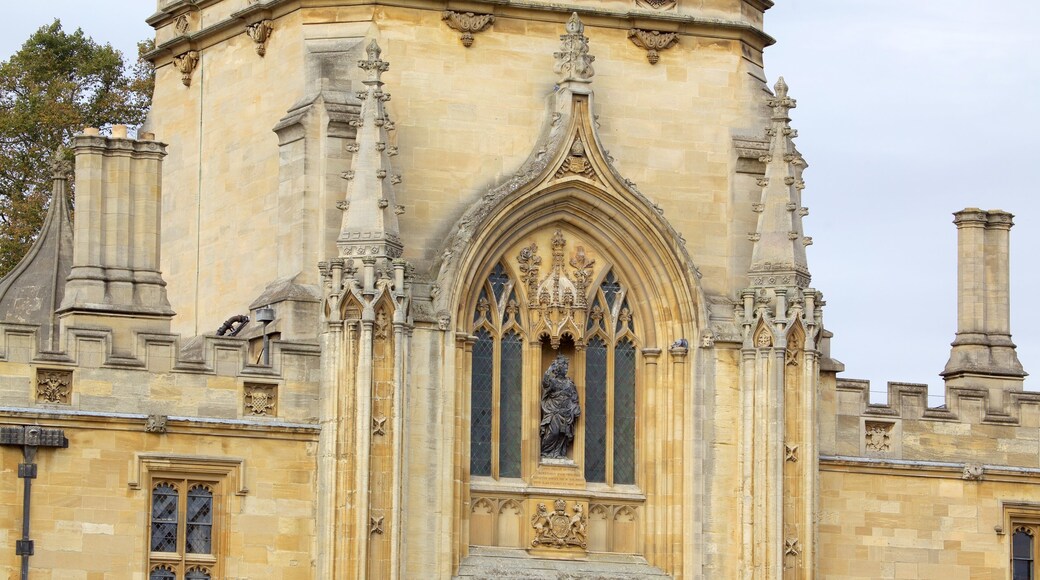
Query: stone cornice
{"x": 684, "y": 24}
{"x": 929, "y": 469}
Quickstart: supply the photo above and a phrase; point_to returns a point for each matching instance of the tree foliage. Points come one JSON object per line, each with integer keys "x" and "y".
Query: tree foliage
{"x": 55, "y": 85}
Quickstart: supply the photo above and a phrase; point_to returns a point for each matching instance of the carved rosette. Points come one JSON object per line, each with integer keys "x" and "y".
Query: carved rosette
{"x": 467, "y": 23}
{"x": 558, "y": 529}
{"x": 185, "y": 64}
{"x": 652, "y": 41}
{"x": 259, "y": 32}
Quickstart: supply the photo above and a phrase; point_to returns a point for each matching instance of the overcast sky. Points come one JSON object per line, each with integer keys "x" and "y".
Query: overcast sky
{"x": 907, "y": 112}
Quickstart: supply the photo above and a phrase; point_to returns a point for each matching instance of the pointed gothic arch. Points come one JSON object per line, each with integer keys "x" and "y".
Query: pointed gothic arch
{"x": 569, "y": 188}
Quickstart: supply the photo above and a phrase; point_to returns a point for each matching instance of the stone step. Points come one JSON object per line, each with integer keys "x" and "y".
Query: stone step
{"x": 514, "y": 564}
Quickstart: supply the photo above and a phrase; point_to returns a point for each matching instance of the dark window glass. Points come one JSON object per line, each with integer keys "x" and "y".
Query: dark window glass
{"x": 480, "y": 404}
{"x": 624, "y": 412}
{"x": 197, "y": 573}
{"x": 200, "y": 521}
{"x": 164, "y": 518}
{"x": 1022, "y": 555}
{"x": 498, "y": 279}
{"x": 596, "y": 411}
{"x": 510, "y": 405}
{"x": 611, "y": 288}
{"x": 162, "y": 573}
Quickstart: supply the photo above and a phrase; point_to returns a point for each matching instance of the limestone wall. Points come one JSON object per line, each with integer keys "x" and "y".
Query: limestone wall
{"x": 466, "y": 118}
{"x": 91, "y": 501}
{"x": 917, "y": 521}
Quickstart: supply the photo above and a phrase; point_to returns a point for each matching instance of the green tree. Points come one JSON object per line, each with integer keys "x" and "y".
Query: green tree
{"x": 55, "y": 85}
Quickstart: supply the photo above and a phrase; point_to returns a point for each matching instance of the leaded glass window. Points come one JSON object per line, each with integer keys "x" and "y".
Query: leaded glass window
{"x": 181, "y": 535}
{"x": 624, "y": 412}
{"x": 511, "y": 398}
{"x": 200, "y": 520}
{"x": 481, "y": 403}
{"x": 164, "y": 518}
{"x": 596, "y": 410}
{"x": 1023, "y": 553}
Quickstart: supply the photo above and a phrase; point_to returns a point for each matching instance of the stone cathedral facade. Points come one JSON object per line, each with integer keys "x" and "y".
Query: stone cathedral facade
{"x": 546, "y": 313}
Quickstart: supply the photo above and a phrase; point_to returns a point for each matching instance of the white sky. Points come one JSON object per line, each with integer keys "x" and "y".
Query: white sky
{"x": 908, "y": 111}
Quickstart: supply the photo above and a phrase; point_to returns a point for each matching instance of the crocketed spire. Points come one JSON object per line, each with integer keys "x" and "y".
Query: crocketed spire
{"x": 370, "y": 209}
{"x": 778, "y": 256}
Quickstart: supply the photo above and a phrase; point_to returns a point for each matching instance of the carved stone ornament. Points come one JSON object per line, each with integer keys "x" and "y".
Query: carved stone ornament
{"x": 656, "y": 4}
{"x": 558, "y": 301}
{"x": 181, "y": 24}
{"x": 260, "y": 32}
{"x": 573, "y": 61}
{"x": 577, "y": 163}
{"x": 973, "y": 472}
{"x": 156, "y": 424}
{"x": 186, "y": 64}
{"x": 467, "y": 23}
{"x": 53, "y": 386}
{"x": 791, "y": 453}
{"x": 652, "y": 41}
{"x": 791, "y": 547}
{"x": 878, "y": 437}
{"x": 557, "y": 529}
{"x": 375, "y": 525}
{"x": 261, "y": 399}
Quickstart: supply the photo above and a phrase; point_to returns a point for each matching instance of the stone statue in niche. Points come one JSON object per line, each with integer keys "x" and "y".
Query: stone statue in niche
{"x": 560, "y": 410}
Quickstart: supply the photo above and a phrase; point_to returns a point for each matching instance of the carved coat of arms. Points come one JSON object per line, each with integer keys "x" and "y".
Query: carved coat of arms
{"x": 557, "y": 529}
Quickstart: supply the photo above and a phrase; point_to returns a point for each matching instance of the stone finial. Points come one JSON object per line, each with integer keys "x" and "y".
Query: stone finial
{"x": 467, "y": 23}
{"x": 374, "y": 65}
{"x": 781, "y": 103}
{"x": 61, "y": 167}
{"x": 573, "y": 61}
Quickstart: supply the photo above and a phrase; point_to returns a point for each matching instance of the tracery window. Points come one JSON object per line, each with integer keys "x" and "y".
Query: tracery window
{"x": 496, "y": 397}
{"x": 578, "y": 311}
{"x": 181, "y": 534}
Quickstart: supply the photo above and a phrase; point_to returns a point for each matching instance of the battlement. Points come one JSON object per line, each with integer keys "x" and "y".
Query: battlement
{"x": 975, "y": 425}
{"x": 207, "y": 376}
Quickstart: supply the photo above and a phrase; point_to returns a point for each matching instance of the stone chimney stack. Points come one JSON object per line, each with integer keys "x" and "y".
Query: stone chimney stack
{"x": 115, "y": 260}
{"x": 983, "y": 354}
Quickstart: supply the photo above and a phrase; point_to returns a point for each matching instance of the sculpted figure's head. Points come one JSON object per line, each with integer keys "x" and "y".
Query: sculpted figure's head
{"x": 559, "y": 366}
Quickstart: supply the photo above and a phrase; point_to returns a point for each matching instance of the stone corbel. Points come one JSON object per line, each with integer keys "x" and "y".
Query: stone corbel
{"x": 467, "y": 23}
{"x": 260, "y": 32}
{"x": 652, "y": 41}
{"x": 186, "y": 64}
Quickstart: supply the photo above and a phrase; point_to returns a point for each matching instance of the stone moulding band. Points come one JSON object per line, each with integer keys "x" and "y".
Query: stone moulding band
{"x": 683, "y": 23}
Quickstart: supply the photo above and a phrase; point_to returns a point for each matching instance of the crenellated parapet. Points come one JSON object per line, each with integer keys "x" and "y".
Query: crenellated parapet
{"x": 208, "y": 376}
{"x": 965, "y": 428}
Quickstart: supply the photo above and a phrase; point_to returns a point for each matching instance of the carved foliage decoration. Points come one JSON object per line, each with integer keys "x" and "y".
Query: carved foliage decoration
{"x": 652, "y": 41}
{"x": 260, "y": 32}
{"x": 186, "y": 63}
{"x": 559, "y": 529}
{"x": 53, "y": 386}
{"x": 467, "y": 23}
{"x": 261, "y": 399}
{"x": 558, "y": 302}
